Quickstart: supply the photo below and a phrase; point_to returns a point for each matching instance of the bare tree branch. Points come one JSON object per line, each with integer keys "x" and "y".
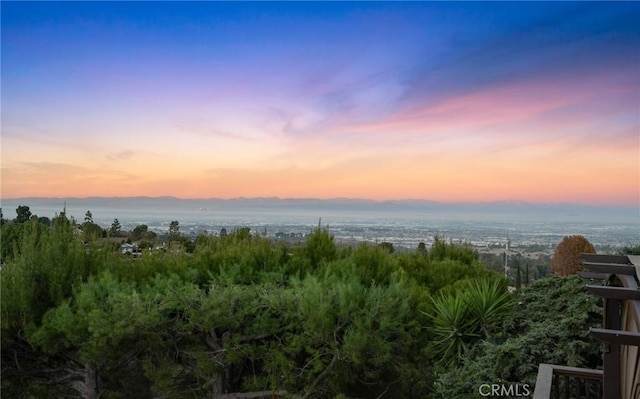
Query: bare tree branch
{"x": 321, "y": 376}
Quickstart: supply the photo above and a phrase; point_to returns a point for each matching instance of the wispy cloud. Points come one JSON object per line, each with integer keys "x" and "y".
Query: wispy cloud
{"x": 60, "y": 179}
{"x": 120, "y": 156}
{"x": 533, "y": 46}
{"x": 207, "y": 130}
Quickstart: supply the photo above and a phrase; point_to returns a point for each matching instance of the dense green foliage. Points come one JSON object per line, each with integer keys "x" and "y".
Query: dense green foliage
{"x": 630, "y": 250}
{"x": 550, "y": 325}
{"x": 473, "y": 311}
{"x": 240, "y": 313}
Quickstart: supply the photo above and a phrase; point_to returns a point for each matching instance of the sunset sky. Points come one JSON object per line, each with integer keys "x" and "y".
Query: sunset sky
{"x": 453, "y": 102}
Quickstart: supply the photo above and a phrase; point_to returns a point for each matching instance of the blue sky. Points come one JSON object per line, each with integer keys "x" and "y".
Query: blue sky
{"x": 450, "y": 101}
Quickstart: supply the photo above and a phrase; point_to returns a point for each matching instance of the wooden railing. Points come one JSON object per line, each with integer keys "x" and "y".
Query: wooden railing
{"x": 562, "y": 382}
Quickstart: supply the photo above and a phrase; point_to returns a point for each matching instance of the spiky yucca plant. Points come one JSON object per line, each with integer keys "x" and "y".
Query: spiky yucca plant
{"x": 460, "y": 318}
{"x": 489, "y": 303}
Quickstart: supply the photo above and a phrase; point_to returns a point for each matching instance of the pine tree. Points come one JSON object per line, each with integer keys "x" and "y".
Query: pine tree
{"x": 115, "y": 227}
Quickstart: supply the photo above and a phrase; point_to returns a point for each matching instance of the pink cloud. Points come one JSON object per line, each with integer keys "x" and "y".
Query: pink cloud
{"x": 564, "y": 112}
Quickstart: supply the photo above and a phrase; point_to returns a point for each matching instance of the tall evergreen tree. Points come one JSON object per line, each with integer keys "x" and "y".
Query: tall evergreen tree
{"x": 115, "y": 228}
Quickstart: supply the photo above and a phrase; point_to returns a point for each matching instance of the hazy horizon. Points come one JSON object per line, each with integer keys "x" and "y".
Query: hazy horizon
{"x": 355, "y": 199}
{"x": 453, "y": 102}
{"x": 349, "y": 208}
{"x": 402, "y": 223}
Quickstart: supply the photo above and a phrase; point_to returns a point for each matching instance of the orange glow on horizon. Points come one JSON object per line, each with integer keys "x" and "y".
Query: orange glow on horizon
{"x": 449, "y": 178}
{"x": 476, "y": 106}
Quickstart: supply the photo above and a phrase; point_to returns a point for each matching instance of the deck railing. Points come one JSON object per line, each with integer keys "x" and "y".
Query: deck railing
{"x": 562, "y": 382}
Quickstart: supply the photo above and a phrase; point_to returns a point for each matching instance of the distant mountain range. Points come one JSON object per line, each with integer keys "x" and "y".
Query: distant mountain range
{"x": 625, "y": 213}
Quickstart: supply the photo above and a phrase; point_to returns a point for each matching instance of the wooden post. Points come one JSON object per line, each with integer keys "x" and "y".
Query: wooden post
{"x": 611, "y": 367}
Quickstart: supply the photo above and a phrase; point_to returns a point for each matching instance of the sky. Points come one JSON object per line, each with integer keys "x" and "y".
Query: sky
{"x": 451, "y": 102}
